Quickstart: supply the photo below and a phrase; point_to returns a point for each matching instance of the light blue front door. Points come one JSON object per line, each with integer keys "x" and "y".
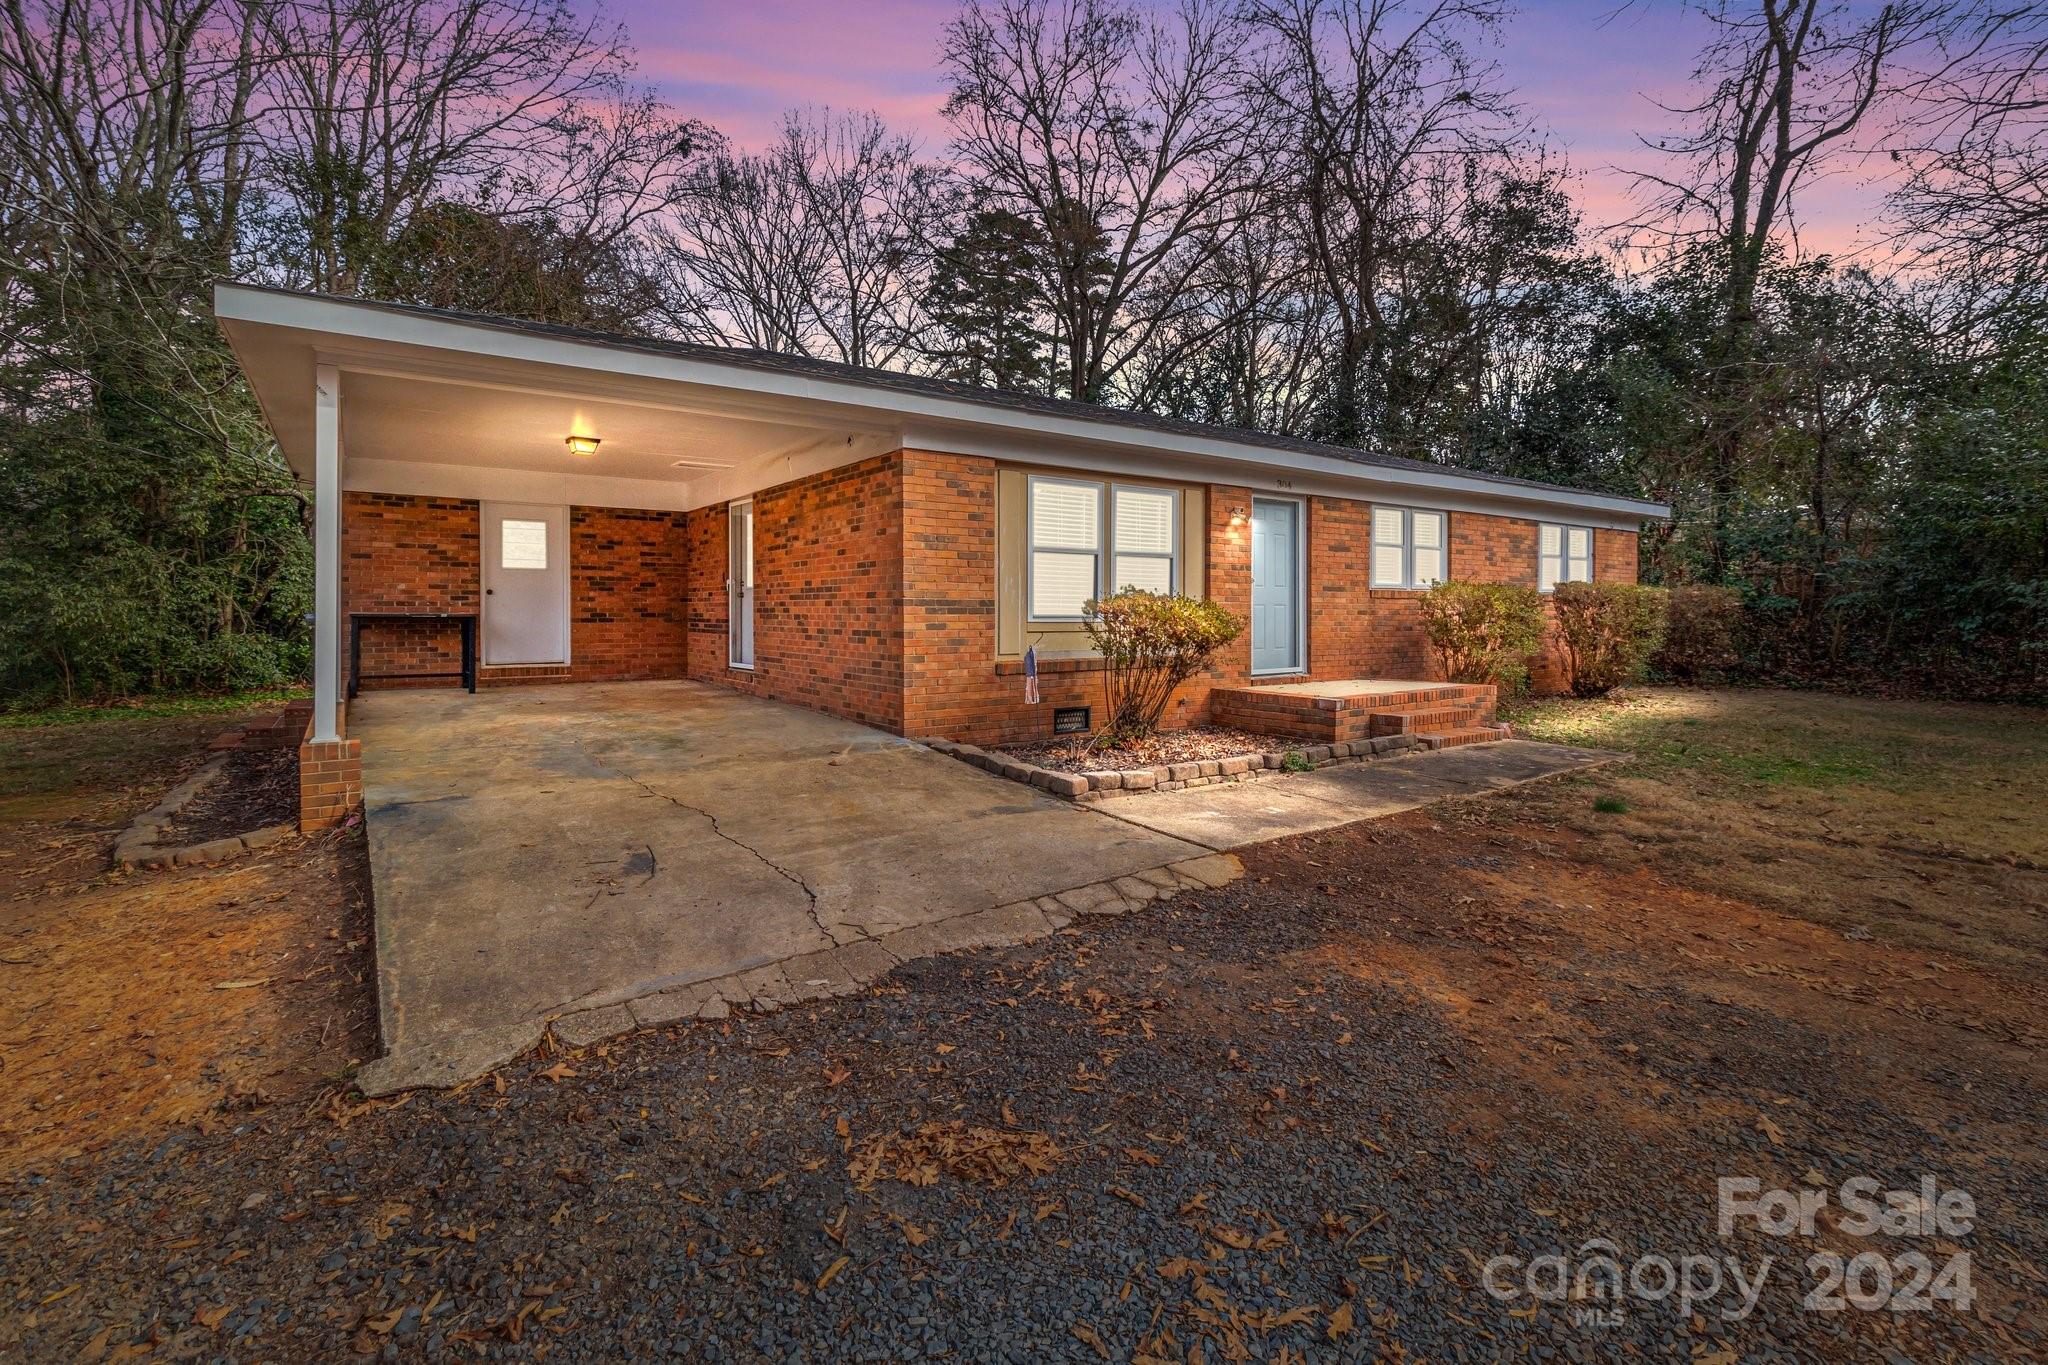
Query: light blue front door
{"x": 1276, "y": 586}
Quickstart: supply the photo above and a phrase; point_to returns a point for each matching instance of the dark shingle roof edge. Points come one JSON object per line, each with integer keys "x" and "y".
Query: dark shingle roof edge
{"x": 777, "y": 362}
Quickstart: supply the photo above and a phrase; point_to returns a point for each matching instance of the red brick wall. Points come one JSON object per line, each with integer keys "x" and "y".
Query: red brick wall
{"x": 828, "y": 583}
{"x": 626, "y": 608}
{"x": 402, "y": 553}
{"x": 626, "y": 576}
{"x": 951, "y": 687}
{"x": 875, "y": 594}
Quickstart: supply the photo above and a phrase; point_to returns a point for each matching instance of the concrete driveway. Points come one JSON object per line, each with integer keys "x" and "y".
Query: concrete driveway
{"x": 607, "y": 855}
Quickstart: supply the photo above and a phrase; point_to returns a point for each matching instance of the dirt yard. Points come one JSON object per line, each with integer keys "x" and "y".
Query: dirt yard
{"x": 1794, "y": 937}
{"x": 141, "y": 1004}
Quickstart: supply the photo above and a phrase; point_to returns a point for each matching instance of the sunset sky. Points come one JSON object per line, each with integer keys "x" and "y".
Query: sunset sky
{"x": 1589, "y": 71}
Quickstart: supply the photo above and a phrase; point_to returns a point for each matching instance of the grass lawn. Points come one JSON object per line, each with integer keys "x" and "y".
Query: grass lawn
{"x": 1920, "y": 822}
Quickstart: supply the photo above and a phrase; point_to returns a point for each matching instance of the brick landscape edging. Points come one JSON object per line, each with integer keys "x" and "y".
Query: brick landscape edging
{"x": 1167, "y": 777}
{"x": 138, "y": 848}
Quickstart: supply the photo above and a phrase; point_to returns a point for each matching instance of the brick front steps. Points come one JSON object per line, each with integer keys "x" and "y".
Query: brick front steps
{"x": 1435, "y": 715}
{"x": 1168, "y": 777}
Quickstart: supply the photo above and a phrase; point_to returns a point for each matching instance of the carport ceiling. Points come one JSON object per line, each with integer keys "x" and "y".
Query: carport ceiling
{"x": 388, "y": 417}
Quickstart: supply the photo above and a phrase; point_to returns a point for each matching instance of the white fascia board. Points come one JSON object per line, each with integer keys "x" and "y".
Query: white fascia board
{"x": 1365, "y": 483}
{"x": 949, "y": 420}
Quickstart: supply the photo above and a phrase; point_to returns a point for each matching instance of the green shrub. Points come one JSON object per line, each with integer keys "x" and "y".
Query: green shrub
{"x": 1606, "y": 633}
{"x": 1484, "y": 632}
{"x": 1151, "y": 643}
{"x": 1295, "y": 761}
{"x": 1699, "y": 632}
{"x": 1610, "y": 805}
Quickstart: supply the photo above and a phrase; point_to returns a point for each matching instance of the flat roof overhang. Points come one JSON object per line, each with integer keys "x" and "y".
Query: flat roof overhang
{"x": 779, "y": 423}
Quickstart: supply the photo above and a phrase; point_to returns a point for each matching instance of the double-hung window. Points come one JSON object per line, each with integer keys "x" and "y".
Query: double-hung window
{"x": 1144, "y": 535}
{"x": 1409, "y": 547}
{"x": 1564, "y": 554}
{"x": 1089, "y": 539}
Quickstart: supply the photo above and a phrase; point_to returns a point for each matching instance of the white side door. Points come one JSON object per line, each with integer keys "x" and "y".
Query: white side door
{"x": 1276, "y": 586}
{"x": 526, "y": 584}
{"x": 739, "y": 584}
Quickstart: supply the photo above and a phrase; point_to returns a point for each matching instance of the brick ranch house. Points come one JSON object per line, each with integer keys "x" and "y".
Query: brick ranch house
{"x": 871, "y": 544}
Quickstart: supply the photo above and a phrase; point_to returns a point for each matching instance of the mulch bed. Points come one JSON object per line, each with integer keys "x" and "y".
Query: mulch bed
{"x": 257, "y": 788}
{"x": 1169, "y": 746}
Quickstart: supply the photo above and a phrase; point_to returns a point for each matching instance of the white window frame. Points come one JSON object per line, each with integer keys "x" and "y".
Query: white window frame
{"x": 1173, "y": 535}
{"x": 1373, "y": 543}
{"x": 1105, "y": 551}
{"x": 1563, "y": 557}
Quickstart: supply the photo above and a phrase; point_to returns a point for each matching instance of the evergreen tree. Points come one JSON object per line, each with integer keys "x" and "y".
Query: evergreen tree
{"x": 985, "y": 302}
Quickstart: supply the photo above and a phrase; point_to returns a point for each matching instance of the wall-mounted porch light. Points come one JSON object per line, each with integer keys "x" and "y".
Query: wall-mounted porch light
{"x": 1237, "y": 516}
{"x": 584, "y": 446}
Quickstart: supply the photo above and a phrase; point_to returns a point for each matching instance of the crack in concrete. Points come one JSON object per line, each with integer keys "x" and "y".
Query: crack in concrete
{"x": 810, "y": 896}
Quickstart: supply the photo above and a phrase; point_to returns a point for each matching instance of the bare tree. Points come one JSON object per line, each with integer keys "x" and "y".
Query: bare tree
{"x": 1386, "y": 116}
{"x": 875, "y": 205}
{"x": 380, "y": 106}
{"x": 1256, "y": 355}
{"x": 126, "y": 158}
{"x": 1786, "y": 84}
{"x": 1974, "y": 138}
{"x": 814, "y": 246}
{"x": 1786, "y": 87}
{"x": 1123, "y": 139}
{"x": 742, "y": 259}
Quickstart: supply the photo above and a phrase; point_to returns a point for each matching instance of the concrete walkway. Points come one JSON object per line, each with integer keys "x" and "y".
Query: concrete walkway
{"x": 1232, "y": 815}
{"x": 612, "y": 855}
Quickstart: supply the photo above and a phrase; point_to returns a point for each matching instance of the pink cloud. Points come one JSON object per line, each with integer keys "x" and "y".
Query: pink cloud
{"x": 1588, "y": 72}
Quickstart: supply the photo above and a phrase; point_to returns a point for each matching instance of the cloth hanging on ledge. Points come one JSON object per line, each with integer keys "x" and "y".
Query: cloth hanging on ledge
{"x": 1031, "y": 676}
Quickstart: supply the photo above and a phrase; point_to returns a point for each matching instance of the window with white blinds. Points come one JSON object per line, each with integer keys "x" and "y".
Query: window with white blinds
{"x": 1144, "y": 528}
{"x": 1410, "y": 548}
{"x": 1078, "y": 526}
{"x": 1564, "y": 554}
{"x": 1066, "y": 547}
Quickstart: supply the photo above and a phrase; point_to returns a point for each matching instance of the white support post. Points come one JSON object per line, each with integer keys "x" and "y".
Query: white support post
{"x": 326, "y": 552}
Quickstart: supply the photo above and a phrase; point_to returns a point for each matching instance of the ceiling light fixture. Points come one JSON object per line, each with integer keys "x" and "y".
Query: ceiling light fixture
{"x": 583, "y": 445}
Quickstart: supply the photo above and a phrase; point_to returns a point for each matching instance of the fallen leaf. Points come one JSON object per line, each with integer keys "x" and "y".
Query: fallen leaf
{"x": 1770, "y": 1130}
{"x": 1340, "y": 1321}
{"x": 1089, "y": 1336}
{"x": 832, "y": 1271}
{"x": 559, "y": 1072}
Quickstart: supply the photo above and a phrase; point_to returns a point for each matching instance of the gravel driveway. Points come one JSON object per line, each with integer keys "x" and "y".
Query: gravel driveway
{"x": 1290, "y": 1119}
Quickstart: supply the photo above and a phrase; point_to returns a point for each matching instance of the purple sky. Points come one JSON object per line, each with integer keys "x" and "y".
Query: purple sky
{"x": 1586, "y": 72}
